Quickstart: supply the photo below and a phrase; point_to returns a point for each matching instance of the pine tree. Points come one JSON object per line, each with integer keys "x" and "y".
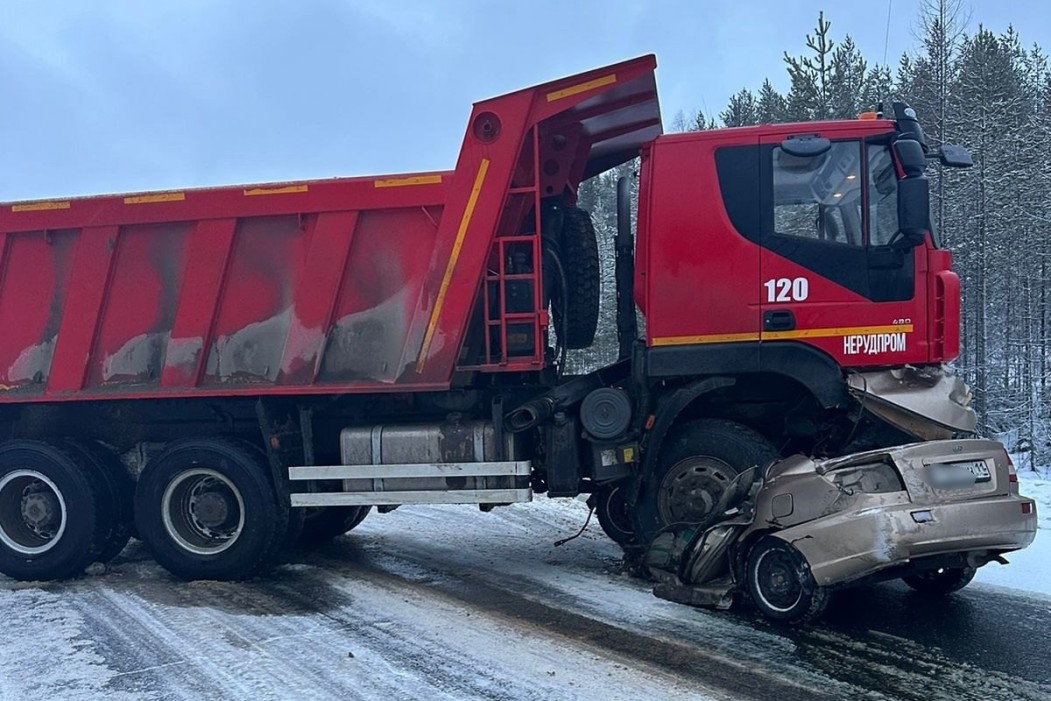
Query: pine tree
{"x": 742, "y": 111}
{"x": 810, "y": 96}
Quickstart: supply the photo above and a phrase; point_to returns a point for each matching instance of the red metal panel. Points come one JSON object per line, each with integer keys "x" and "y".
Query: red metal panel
{"x": 370, "y": 340}
{"x": 255, "y": 306}
{"x": 32, "y": 298}
{"x": 206, "y": 262}
{"x": 315, "y": 296}
{"x": 88, "y": 283}
{"x": 140, "y": 306}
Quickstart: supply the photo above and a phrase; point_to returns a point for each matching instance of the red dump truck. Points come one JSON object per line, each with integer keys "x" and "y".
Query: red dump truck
{"x": 222, "y": 371}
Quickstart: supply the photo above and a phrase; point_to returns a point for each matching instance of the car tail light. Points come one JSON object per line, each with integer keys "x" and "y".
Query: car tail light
{"x": 1012, "y": 475}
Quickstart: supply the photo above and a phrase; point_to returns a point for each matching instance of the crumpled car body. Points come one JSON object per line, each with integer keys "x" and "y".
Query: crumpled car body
{"x": 930, "y": 513}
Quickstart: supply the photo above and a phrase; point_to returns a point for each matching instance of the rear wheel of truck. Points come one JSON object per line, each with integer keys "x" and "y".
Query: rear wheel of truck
{"x": 321, "y": 525}
{"x": 56, "y": 513}
{"x": 942, "y": 581}
{"x": 120, "y": 489}
{"x": 781, "y": 584}
{"x": 208, "y": 510}
{"x": 696, "y": 465}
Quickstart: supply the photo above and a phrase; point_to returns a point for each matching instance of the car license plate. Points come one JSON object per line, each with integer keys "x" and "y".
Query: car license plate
{"x": 959, "y": 474}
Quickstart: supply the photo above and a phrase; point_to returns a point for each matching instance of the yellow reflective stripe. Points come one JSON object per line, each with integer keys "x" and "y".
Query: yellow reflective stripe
{"x": 465, "y": 221}
{"x": 413, "y": 180}
{"x": 286, "y": 190}
{"x": 779, "y": 335}
{"x": 837, "y": 331}
{"x": 39, "y": 206}
{"x": 582, "y": 87}
{"x": 709, "y": 338}
{"x": 159, "y": 197}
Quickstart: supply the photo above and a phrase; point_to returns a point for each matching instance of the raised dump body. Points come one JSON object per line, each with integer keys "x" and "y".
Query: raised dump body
{"x": 333, "y": 286}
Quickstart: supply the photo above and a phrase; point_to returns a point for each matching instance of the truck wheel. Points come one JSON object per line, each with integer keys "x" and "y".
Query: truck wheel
{"x": 694, "y": 468}
{"x": 781, "y": 585}
{"x": 580, "y": 264}
{"x": 55, "y": 515}
{"x": 207, "y": 509}
{"x": 939, "y": 582}
{"x": 614, "y": 515}
{"x": 121, "y": 491}
{"x": 323, "y": 524}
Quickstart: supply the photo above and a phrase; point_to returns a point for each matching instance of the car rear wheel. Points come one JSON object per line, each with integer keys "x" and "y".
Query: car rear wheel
{"x": 781, "y": 584}
{"x": 944, "y": 580}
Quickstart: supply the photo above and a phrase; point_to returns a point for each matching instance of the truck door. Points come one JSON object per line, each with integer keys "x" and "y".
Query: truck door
{"x": 832, "y": 272}
{"x": 701, "y": 265}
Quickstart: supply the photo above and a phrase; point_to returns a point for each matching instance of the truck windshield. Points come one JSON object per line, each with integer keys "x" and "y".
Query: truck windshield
{"x": 883, "y": 195}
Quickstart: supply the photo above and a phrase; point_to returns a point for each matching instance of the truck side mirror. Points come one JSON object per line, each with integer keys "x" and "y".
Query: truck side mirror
{"x": 914, "y": 210}
{"x": 805, "y": 146}
{"x": 955, "y": 156}
{"x": 911, "y": 156}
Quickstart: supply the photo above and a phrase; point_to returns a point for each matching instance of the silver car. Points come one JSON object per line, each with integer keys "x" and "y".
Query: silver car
{"x": 929, "y": 513}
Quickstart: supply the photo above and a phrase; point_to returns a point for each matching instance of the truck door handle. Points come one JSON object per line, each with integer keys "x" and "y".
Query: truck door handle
{"x": 779, "y": 320}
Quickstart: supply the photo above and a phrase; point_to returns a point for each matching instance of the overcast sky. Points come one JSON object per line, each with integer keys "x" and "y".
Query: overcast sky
{"x": 107, "y": 96}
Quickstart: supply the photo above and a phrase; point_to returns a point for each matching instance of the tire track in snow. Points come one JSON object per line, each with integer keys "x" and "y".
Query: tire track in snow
{"x": 288, "y": 635}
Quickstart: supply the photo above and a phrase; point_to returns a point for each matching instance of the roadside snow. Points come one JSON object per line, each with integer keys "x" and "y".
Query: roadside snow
{"x": 1030, "y": 569}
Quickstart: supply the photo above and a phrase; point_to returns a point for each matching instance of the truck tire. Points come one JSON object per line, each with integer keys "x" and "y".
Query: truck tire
{"x": 695, "y": 465}
{"x": 207, "y": 509}
{"x": 121, "y": 490}
{"x": 576, "y": 315}
{"x": 780, "y": 583}
{"x": 323, "y": 524}
{"x": 55, "y": 511}
{"x": 614, "y": 514}
{"x": 941, "y": 581}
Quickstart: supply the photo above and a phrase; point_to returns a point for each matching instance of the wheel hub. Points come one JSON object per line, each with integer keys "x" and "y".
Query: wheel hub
{"x": 692, "y": 488}
{"x": 778, "y": 581}
{"x": 32, "y": 512}
{"x": 41, "y": 510}
{"x": 210, "y": 510}
{"x": 202, "y": 511}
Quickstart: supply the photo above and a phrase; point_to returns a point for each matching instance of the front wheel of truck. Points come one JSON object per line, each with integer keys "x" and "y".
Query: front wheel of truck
{"x": 207, "y": 509}
{"x": 696, "y": 465}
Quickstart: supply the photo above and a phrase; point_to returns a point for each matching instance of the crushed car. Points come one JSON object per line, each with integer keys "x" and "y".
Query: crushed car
{"x": 789, "y": 534}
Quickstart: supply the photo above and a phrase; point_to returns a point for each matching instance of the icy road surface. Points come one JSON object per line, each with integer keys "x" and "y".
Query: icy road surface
{"x": 450, "y": 603}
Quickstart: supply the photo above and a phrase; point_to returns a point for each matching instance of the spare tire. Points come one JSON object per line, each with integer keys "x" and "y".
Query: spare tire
{"x": 579, "y": 303}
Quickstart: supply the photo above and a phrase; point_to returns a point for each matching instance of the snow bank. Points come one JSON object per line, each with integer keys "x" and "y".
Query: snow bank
{"x": 1030, "y": 569}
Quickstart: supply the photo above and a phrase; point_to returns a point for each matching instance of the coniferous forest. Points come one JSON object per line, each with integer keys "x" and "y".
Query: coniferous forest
{"x": 970, "y": 86}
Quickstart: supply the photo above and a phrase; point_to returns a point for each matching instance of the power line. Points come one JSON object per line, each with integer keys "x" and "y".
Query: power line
{"x": 886, "y": 36}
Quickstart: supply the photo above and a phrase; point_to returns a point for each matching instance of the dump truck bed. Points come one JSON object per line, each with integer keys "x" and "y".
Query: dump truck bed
{"x": 328, "y": 286}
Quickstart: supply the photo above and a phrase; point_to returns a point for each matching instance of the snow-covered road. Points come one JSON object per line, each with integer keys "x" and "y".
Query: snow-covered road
{"x": 446, "y": 602}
